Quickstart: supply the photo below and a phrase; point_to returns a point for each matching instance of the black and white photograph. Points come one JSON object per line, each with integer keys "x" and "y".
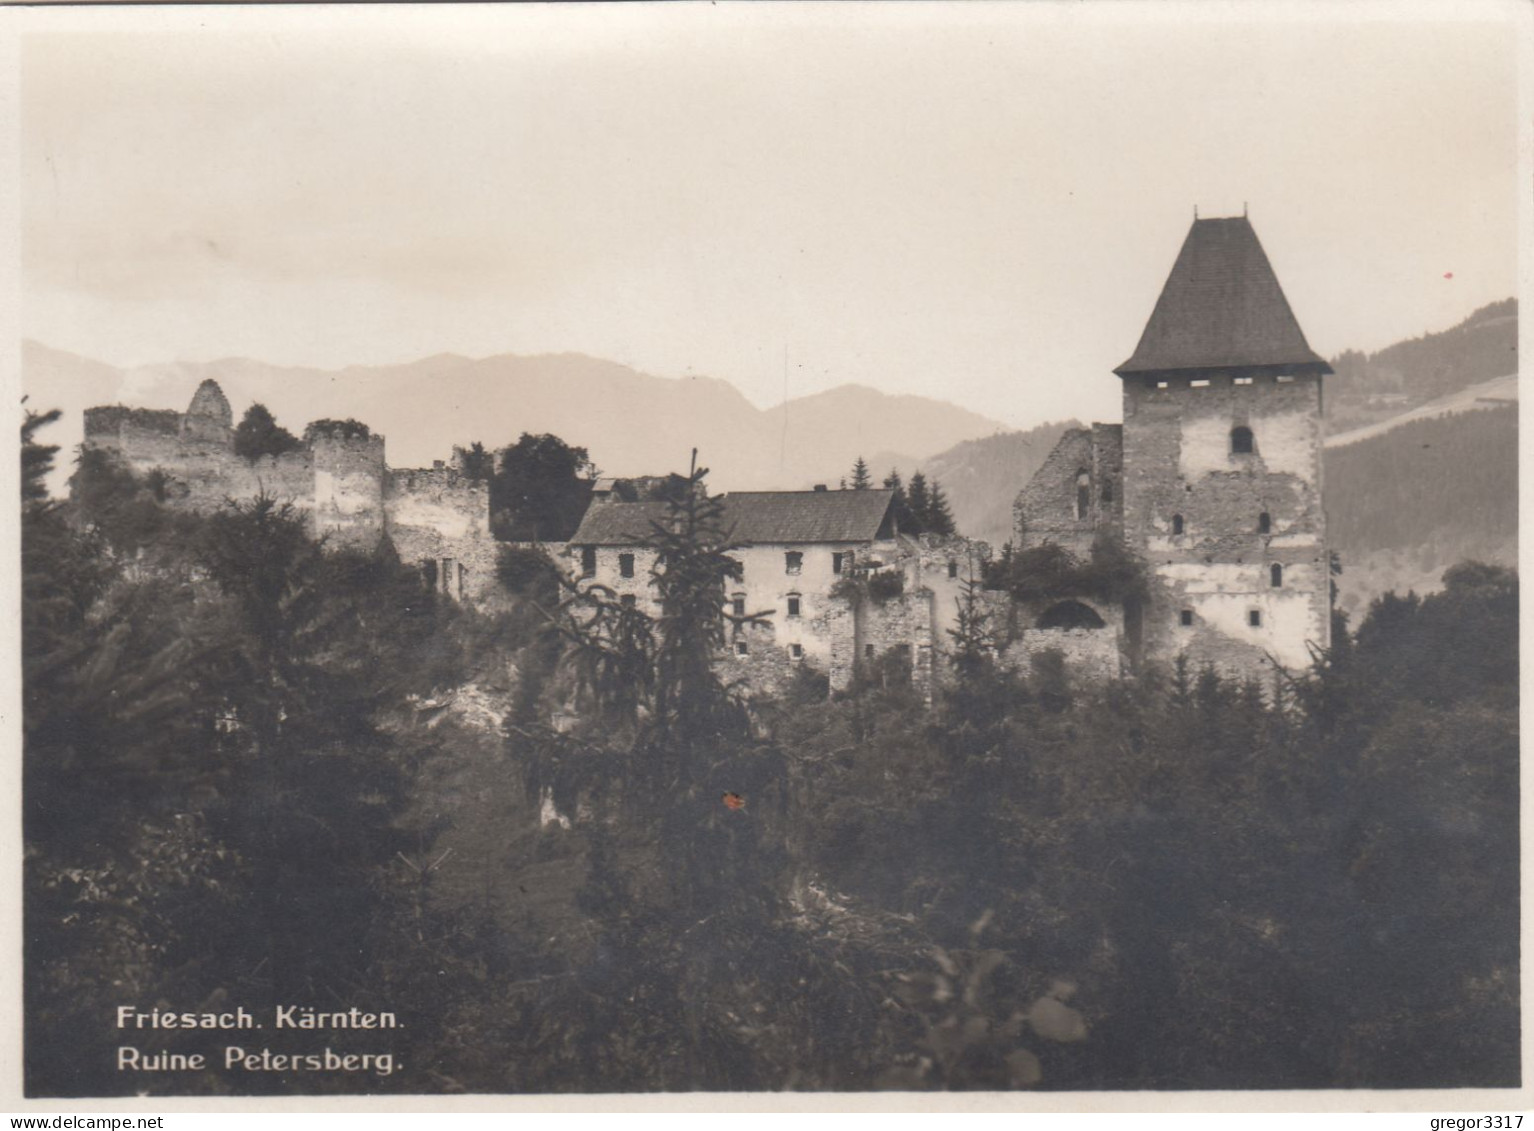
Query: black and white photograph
{"x": 794, "y": 549}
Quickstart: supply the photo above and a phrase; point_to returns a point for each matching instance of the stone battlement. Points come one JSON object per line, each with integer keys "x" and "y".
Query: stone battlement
{"x": 338, "y": 478}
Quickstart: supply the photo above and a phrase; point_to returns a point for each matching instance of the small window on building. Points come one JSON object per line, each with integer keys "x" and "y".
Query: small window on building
{"x": 1283, "y": 378}
{"x": 1241, "y": 440}
{"x": 588, "y": 561}
{"x": 1264, "y": 523}
{"x": 1186, "y": 617}
{"x": 953, "y": 569}
{"x": 1107, "y": 490}
{"x": 838, "y": 562}
{"x": 1254, "y": 618}
{"x": 793, "y": 561}
{"x": 1083, "y": 494}
{"x": 793, "y": 605}
{"x": 1276, "y": 576}
{"x": 738, "y": 604}
{"x": 868, "y": 651}
{"x": 796, "y": 651}
{"x": 1199, "y": 383}
{"x": 626, "y": 565}
{"x": 741, "y": 648}
{"x": 1176, "y": 525}
{"x": 627, "y": 600}
{"x": 1243, "y": 381}
{"x": 1161, "y": 384}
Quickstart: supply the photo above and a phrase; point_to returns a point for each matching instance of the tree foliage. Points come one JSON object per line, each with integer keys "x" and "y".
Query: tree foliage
{"x": 559, "y": 842}
{"x": 258, "y": 434}
{"x": 540, "y": 489}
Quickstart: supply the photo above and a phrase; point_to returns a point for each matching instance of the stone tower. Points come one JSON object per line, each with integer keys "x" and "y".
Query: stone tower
{"x": 1222, "y": 464}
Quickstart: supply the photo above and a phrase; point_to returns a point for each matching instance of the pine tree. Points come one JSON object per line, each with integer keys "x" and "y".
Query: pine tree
{"x": 919, "y": 503}
{"x": 905, "y": 520}
{"x": 861, "y": 479}
{"x": 939, "y": 518}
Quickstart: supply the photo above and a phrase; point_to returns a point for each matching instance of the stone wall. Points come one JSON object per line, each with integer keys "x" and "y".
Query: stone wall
{"x": 1085, "y": 467}
{"x": 1090, "y": 654}
{"x": 440, "y": 515}
{"x": 1217, "y": 571}
{"x": 349, "y": 490}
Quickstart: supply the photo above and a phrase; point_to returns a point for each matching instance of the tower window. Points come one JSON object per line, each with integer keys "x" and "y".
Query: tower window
{"x": 738, "y": 604}
{"x": 1243, "y": 381}
{"x": 1162, "y": 384}
{"x": 1254, "y": 618}
{"x": 793, "y": 605}
{"x": 627, "y": 600}
{"x": 1176, "y": 525}
{"x": 1186, "y": 617}
{"x": 953, "y": 569}
{"x": 1199, "y": 383}
{"x": 1241, "y": 440}
{"x": 839, "y": 561}
{"x": 741, "y": 648}
{"x": 1283, "y": 378}
{"x": 588, "y": 561}
{"x": 868, "y": 651}
{"x": 1276, "y": 575}
{"x": 1264, "y": 523}
{"x": 793, "y": 561}
{"x": 796, "y": 651}
{"x": 1107, "y": 490}
{"x": 626, "y": 565}
{"x": 1083, "y": 494}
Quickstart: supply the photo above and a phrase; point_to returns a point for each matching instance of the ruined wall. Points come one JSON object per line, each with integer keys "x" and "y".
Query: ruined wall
{"x": 1179, "y": 462}
{"x": 942, "y": 565}
{"x": 201, "y": 471}
{"x": 349, "y": 490}
{"x": 902, "y": 624}
{"x": 1090, "y": 654}
{"x": 440, "y": 515}
{"x": 1049, "y": 508}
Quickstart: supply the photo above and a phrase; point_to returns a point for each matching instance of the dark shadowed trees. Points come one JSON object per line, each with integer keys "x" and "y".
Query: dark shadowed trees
{"x": 540, "y": 490}
{"x": 258, "y": 434}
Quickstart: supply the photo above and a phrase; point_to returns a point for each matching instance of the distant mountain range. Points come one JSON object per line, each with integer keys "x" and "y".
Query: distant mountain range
{"x": 632, "y": 423}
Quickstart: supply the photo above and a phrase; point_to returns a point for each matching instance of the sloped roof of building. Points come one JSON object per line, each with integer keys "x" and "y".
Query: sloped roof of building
{"x": 760, "y": 517}
{"x": 1222, "y": 308}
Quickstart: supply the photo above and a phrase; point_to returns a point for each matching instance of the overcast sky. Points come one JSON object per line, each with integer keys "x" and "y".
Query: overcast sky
{"x": 973, "y": 201}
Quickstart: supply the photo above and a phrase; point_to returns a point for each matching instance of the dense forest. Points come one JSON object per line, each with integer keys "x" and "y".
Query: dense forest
{"x": 259, "y": 771}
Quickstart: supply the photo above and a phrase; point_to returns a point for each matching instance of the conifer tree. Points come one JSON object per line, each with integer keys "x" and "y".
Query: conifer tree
{"x": 939, "y": 518}
{"x": 918, "y": 502}
{"x": 861, "y": 479}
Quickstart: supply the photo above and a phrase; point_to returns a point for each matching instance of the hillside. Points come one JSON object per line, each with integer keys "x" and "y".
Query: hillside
{"x": 1370, "y": 388}
{"x": 1405, "y": 503}
{"x": 982, "y": 477}
{"x": 632, "y": 423}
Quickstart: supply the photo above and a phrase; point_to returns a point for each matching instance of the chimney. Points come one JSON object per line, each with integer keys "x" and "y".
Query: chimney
{"x": 820, "y": 486}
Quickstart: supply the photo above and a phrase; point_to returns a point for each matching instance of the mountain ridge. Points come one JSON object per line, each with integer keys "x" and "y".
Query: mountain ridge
{"x": 631, "y": 422}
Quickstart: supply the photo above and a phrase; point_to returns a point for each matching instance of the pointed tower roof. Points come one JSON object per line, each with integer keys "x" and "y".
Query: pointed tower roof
{"x": 1222, "y": 308}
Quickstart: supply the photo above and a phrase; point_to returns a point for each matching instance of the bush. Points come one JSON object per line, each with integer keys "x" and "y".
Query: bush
{"x": 527, "y": 572}
{"x": 886, "y": 586}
